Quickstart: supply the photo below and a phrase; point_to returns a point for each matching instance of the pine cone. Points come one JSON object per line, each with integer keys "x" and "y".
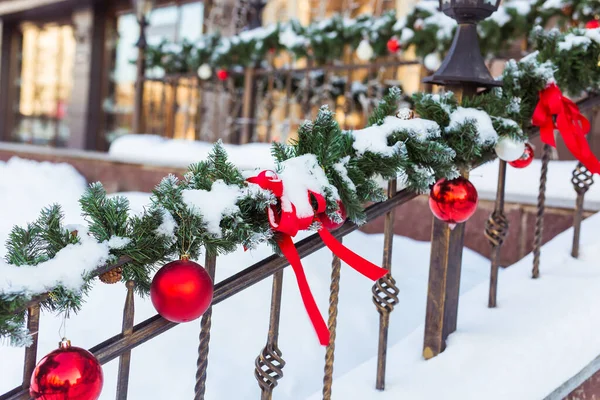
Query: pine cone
{"x": 112, "y": 276}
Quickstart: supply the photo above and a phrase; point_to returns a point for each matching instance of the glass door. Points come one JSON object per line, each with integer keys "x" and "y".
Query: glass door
{"x": 44, "y": 84}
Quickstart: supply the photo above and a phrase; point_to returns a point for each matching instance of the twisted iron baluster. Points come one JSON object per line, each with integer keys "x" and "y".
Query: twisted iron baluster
{"x": 205, "y": 325}
{"x": 385, "y": 292}
{"x": 334, "y": 291}
{"x": 496, "y": 230}
{"x": 269, "y": 363}
{"x": 539, "y": 221}
{"x": 582, "y": 181}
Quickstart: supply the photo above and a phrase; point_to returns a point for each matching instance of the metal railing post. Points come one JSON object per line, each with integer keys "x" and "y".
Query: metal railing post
{"x": 385, "y": 292}
{"x": 541, "y": 207}
{"x": 444, "y": 273}
{"x": 496, "y": 229}
{"x": 205, "y": 325}
{"x": 269, "y": 363}
{"x": 125, "y": 359}
{"x": 334, "y": 291}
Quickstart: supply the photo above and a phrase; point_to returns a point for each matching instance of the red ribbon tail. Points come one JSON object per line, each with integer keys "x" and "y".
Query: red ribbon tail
{"x": 578, "y": 145}
{"x": 361, "y": 265}
{"x": 291, "y": 254}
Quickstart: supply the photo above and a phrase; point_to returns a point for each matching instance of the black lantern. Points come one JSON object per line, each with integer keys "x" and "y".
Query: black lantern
{"x": 463, "y": 63}
{"x": 142, "y": 10}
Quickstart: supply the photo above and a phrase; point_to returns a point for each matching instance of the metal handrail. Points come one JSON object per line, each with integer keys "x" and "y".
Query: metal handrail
{"x": 156, "y": 325}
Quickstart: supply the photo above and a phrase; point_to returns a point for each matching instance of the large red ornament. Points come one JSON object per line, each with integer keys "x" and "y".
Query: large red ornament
{"x": 67, "y": 373}
{"x": 222, "y": 74}
{"x": 453, "y": 201}
{"x": 330, "y": 224}
{"x": 525, "y": 160}
{"x": 393, "y": 45}
{"x": 181, "y": 291}
{"x": 593, "y": 24}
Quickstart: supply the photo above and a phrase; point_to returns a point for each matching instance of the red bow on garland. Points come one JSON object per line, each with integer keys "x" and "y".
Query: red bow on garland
{"x": 571, "y": 124}
{"x": 285, "y": 221}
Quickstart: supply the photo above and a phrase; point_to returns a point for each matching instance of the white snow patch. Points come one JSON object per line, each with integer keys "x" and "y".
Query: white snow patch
{"x": 500, "y": 17}
{"x": 482, "y": 121}
{"x": 157, "y": 150}
{"x": 593, "y": 34}
{"x": 214, "y": 204}
{"x": 299, "y": 175}
{"x": 340, "y": 168}
{"x": 117, "y": 242}
{"x": 522, "y": 7}
{"x": 571, "y": 40}
{"x": 67, "y": 268}
{"x": 168, "y": 226}
{"x": 374, "y": 138}
{"x": 553, "y": 4}
{"x": 406, "y": 35}
{"x": 289, "y": 39}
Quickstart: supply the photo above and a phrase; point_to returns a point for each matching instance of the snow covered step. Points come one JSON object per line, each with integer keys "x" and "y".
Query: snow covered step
{"x": 543, "y": 333}
{"x": 522, "y": 185}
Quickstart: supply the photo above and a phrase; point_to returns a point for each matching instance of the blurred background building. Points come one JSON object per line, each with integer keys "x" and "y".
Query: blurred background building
{"x": 68, "y": 67}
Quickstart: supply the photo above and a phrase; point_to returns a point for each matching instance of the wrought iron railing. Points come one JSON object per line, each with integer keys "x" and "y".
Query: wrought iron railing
{"x": 442, "y": 297}
{"x": 263, "y": 104}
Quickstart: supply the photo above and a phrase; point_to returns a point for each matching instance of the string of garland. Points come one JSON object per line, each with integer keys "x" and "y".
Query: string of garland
{"x": 425, "y": 29}
{"x": 185, "y": 217}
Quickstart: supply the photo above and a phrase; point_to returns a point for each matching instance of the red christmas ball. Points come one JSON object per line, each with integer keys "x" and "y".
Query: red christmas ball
{"x": 593, "y": 24}
{"x": 393, "y": 45}
{"x": 526, "y": 158}
{"x": 453, "y": 201}
{"x": 181, "y": 291}
{"x": 222, "y": 74}
{"x": 330, "y": 224}
{"x": 67, "y": 373}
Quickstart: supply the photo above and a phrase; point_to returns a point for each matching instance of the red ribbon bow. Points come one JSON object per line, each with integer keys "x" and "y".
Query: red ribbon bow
{"x": 283, "y": 219}
{"x": 572, "y": 125}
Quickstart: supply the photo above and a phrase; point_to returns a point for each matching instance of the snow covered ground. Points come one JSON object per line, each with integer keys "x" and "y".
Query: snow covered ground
{"x": 157, "y": 150}
{"x": 164, "y": 368}
{"x": 542, "y": 333}
{"x": 521, "y": 184}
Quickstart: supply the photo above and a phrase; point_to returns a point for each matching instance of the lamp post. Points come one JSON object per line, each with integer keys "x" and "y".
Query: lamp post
{"x": 463, "y": 71}
{"x": 464, "y": 64}
{"x": 142, "y": 10}
{"x": 255, "y": 13}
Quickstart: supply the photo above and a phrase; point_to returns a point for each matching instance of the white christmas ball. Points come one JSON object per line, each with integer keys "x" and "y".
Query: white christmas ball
{"x": 432, "y": 61}
{"x": 204, "y": 71}
{"x": 509, "y": 150}
{"x": 364, "y": 51}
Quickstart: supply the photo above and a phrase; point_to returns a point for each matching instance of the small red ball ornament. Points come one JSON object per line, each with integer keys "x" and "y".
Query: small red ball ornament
{"x": 393, "y": 45}
{"x": 525, "y": 160}
{"x": 222, "y": 74}
{"x": 593, "y": 24}
{"x": 181, "y": 291}
{"x": 453, "y": 201}
{"x": 330, "y": 224}
{"x": 67, "y": 373}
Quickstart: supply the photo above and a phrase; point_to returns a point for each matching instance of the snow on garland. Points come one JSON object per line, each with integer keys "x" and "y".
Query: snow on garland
{"x": 342, "y": 167}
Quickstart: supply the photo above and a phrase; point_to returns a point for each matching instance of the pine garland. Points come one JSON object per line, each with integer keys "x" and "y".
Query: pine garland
{"x": 425, "y": 28}
{"x": 445, "y": 138}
